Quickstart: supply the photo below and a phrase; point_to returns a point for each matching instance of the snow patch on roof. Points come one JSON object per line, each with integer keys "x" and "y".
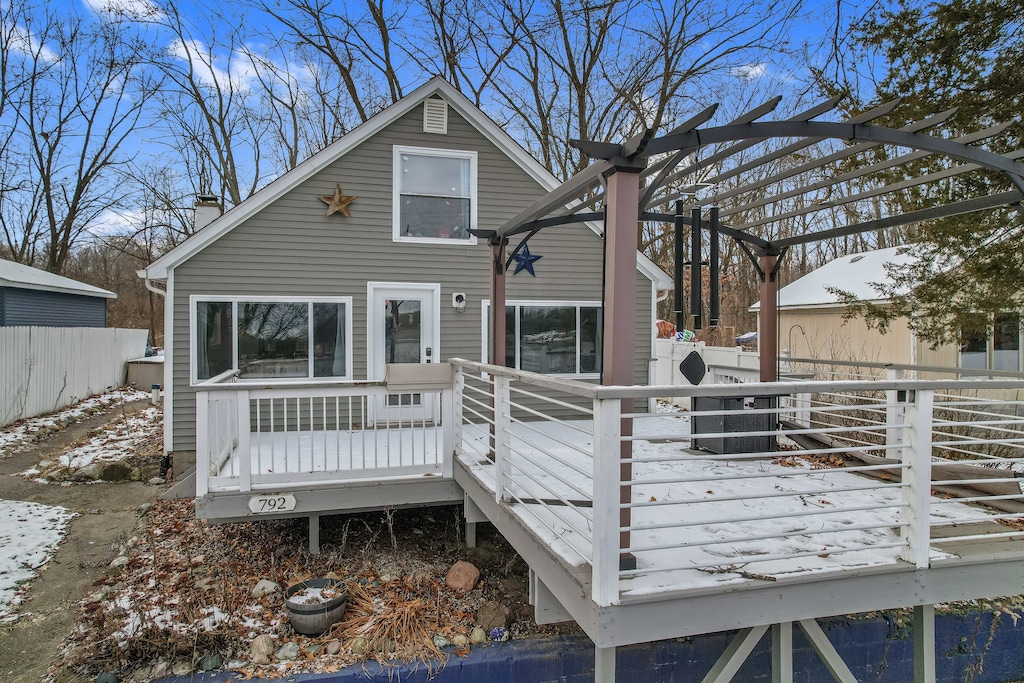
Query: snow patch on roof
{"x": 19, "y": 275}
{"x": 853, "y": 273}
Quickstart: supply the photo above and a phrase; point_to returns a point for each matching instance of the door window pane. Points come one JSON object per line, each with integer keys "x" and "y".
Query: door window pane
{"x": 329, "y": 344}
{"x": 1006, "y": 342}
{"x": 402, "y": 331}
{"x": 214, "y": 354}
{"x": 273, "y": 339}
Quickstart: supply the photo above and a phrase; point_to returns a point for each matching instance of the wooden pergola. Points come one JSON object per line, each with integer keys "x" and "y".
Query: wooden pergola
{"x": 627, "y": 182}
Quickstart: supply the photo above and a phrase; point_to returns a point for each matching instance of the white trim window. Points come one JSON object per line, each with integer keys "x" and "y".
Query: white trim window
{"x": 999, "y": 348}
{"x": 435, "y": 195}
{"x": 271, "y": 338}
{"x": 551, "y": 337}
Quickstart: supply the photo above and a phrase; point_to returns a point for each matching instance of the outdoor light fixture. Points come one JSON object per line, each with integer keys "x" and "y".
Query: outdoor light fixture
{"x": 459, "y": 301}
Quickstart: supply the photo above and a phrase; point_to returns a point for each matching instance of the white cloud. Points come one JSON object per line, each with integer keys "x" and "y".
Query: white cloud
{"x": 750, "y": 71}
{"x": 22, "y": 40}
{"x": 244, "y": 66}
{"x": 132, "y": 10}
{"x": 111, "y": 223}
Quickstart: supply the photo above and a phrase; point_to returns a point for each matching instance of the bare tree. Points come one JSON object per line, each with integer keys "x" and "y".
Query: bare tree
{"x": 78, "y": 89}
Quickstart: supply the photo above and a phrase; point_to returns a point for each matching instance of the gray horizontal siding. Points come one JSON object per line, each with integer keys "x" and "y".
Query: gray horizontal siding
{"x": 33, "y": 307}
{"x": 291, "y": 249}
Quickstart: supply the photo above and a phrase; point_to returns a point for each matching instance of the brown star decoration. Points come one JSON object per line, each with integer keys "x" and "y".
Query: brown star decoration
{"x": 338, "y": 202}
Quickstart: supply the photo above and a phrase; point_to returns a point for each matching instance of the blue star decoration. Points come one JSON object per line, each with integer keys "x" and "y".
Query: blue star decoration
{"x": 525, "y": 261}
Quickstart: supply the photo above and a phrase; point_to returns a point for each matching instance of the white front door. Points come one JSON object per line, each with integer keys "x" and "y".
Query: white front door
{"x": 404, "y": 327}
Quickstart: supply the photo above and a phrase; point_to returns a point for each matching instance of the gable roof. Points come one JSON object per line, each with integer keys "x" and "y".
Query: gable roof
{"x": 436, "y": 86}
{"x": 25, "y": 277}
{"x": 853, "y": 273}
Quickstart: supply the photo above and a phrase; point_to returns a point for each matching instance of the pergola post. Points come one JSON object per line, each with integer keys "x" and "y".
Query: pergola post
{"x": 621, "y": 234}
{"x": 768, "y": 318}
{"x": 497, "y": 327}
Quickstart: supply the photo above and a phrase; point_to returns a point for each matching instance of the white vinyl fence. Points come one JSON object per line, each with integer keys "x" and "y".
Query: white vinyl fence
{"x": 668, "y": 354}
{"x": 43, "y": 369}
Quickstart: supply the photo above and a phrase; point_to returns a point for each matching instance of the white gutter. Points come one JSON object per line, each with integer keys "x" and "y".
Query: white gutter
{"x": 149, "y": 283}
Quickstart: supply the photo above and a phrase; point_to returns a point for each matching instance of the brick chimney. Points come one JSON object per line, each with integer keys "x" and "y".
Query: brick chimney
{"x": 208, "y": 210}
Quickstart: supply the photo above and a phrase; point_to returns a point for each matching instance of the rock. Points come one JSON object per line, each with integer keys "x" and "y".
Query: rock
{"x": 136, "y": 474}
{"x": 264, "y": 587}
{"x": 157, "y": 481}
{"x": 182, "y": 667}
{"x": 198, "y": 560}
{"x": 492, "y": 615}
{"x": 211, "y": 661}
{"x": 141, "y": 675}
{"x": 313, "y": 649}
{"x": 159, "y": 670}
{"x": 441, "y": 641}
{"x": 499, "y": 634}
{"x": 287, "y": 652}
{"x": 358, "y": 646}
{"x": 462, "y": 576}
{"x": 120, "y": 561}
{"x": 234, "y": 664}
{"x": 333, "y": 647}
{"x": 478, "y": 635}
{"x": 207, "y": 583}
{"x": 90, "y": 472}
{"x": 261, "y": 648}
{"x": 115, "y": 471}
{"x": 145, "y": 509}
{"x": 460, "y": 640}
{"x": 45, "y": 465}
{"x": 106, "y": 677}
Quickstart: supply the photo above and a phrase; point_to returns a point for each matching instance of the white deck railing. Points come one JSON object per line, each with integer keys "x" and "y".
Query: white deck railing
{"x": 814, "y": 476}
{"x": 251, "y": 438}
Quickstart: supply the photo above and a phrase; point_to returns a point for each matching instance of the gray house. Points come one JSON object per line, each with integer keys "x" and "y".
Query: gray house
{"x": 32, "y": 297}
{"x": 362, "y": 255}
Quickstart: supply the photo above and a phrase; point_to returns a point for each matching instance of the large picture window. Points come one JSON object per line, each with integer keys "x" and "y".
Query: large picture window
{"x": 435, "y": 195}
{"x": 265, "y": 338}
{"x": 562, "y": 338}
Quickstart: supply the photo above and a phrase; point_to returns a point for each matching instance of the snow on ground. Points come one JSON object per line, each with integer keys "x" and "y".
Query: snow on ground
{"x": 29, "y": 535}
{"x": 706, "y": 520}
{"x": 119, "y": 440}
{"x": 17, "y": 436}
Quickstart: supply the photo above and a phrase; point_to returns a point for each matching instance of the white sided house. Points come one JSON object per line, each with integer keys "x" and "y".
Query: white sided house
{"x": 286, "y": 311}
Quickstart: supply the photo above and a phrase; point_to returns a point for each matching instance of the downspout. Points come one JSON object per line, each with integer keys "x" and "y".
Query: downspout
{"x": 149, "y": 283}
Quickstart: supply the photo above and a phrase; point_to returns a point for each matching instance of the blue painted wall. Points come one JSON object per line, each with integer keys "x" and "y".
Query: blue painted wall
{"x": 28, "y": 307}
{"x": 876, "y": 650}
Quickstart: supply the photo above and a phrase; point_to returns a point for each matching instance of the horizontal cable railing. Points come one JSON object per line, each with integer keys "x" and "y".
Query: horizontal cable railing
{"x": 813, "y": 473}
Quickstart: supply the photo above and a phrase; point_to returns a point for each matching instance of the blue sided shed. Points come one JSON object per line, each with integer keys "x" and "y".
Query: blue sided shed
{"x": 33, "y": 297}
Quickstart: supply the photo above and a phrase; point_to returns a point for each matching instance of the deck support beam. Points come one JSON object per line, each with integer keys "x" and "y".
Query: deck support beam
{"x": 314, "y": 534}
{"x": 782, "y": 652}
{"x": 735, "y": 654}
{"x": 474, "y": 515}
{"x": 604, "y": 664}
{"x": 924, "y": 644}
{"x": 826, "y": 652}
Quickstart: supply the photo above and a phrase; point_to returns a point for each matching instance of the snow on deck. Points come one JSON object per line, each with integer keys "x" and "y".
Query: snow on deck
{"x": 716, "y": 509}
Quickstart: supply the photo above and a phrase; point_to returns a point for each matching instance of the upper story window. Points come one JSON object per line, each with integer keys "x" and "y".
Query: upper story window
{"x": 997, "y": 349}
{"x": 435, "y": 195}
{"x": 272, "y": 338}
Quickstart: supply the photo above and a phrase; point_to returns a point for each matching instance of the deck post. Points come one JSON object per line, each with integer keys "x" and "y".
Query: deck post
{"x": 621, "y": 233}
{"x": 782, "y": 652}
{"x": 502, "y": 424}
{"x": 314, "y": 534}
{"x": 916, "y": 458}
{"x": 924, "y": 644}
{"x": 448, "y": 430}
{"x": 605, "y": 541}
{"x": 604, "y": 664}
{"x": 894, "y": 411}
{"x": 202, "y": 443}
{"x": 242, "y": 434}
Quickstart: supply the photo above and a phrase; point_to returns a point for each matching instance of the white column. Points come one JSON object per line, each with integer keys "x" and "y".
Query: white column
{"x": 924, "y": 644}
{"x": 916, "y": 457}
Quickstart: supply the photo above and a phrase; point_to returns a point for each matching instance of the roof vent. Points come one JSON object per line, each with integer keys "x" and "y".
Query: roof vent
{"x": 435, "y": 116}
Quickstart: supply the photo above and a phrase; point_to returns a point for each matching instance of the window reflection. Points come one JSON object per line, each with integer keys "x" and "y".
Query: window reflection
{"x": 273, "y": 339}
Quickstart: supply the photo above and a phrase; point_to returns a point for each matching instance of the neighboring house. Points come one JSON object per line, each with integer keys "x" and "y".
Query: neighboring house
{"x": 32, "y": 297}
{"x": 812, "y": 323}
{"x": 277, "y": 291}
